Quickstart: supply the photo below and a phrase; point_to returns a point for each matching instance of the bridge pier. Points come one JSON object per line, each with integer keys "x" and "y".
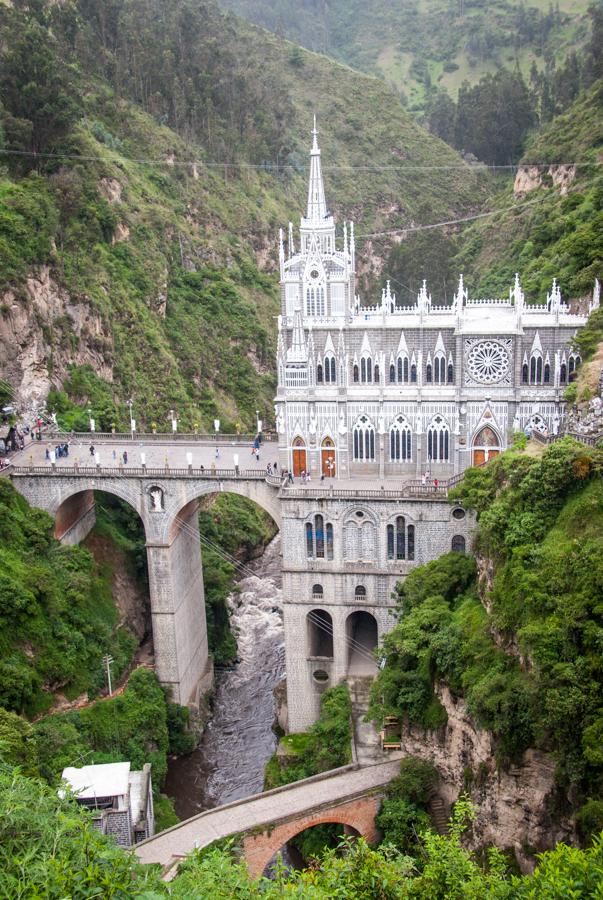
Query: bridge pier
{"x": 175, "y": 568}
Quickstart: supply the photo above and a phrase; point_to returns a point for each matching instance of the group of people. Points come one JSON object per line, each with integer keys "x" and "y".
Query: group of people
{"x": 426, "y": 481}
{"x": 272, "y": 469}
{"x": 57, "y": 452}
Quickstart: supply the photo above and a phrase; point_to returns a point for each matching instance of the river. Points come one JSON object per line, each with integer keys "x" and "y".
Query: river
{"x": 238, "y": 740}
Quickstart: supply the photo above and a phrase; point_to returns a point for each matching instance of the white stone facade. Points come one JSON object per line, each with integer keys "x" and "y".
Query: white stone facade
{"x": 372, "y": 395}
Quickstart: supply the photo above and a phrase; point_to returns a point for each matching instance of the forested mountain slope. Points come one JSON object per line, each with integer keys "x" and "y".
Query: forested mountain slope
{"x": 547, "y": 221}
{"x": 418, "y": 45}
{"x": 125, "y": 251}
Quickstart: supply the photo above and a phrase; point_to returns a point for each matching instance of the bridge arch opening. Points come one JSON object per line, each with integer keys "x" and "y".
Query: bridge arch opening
{"x": 310, "y": 842}
{"x": 362, "y": 635}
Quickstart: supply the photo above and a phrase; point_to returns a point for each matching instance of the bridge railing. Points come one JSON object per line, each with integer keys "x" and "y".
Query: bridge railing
{"x": 163, "y": 437}
{"x": 141, "y": 471}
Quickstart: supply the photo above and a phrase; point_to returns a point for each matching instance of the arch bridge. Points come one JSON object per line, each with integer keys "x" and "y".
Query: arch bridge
{"x": 350, "y": 796}
{"x": 344, "y": 548}
{"x": 167, "y": 501}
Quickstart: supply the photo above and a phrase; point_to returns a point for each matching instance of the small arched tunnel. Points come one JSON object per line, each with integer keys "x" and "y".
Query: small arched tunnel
{"x": 362, "y": 635}
{"x": 299, "y": 850}
{"x": 357, "y": 817}
{"x": 320, "y": 634}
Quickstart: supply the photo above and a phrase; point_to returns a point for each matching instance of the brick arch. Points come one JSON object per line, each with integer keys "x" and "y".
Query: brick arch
{"x": 357, "y": 814}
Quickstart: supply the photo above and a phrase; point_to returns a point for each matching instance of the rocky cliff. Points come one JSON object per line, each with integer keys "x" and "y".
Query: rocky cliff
{"x": 513, "y": 806}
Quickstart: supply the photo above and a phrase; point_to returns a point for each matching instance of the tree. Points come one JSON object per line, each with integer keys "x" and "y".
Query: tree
{"x": 37, "y": 91}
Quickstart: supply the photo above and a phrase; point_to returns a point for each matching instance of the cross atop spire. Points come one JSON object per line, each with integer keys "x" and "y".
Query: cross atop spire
{"x": 317, "y": 205}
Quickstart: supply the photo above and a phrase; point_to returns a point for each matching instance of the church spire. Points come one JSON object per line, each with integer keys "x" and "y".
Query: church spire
{"x": 317, "y": 206}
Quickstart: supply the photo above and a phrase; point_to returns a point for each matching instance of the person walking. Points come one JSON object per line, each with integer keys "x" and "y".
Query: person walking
{"x": 91, "y": 449}
{"x": 217, "y": 453}
{"x": 125, "y": 457}
{"x": 435, "y": 484}
{"x": 424, "y": 480}
{"x": 290, "y": 476}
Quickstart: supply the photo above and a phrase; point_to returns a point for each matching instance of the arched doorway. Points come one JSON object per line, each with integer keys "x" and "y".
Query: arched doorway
{"x": 328, "y": 458}
{"x": 320, "y": 634}
{"x": 299, "y": 457}
{"x": 362, "y": 636}
{"x": 486, "y": 445}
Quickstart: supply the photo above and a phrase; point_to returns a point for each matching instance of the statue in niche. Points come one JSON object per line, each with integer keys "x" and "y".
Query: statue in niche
{"x": 156, "y": 499}
{"x": 342, "y": 426}
{"x": 280, "y": 423}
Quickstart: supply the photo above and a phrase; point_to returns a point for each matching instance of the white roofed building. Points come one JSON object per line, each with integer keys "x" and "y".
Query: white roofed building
{"x": 121, "y": 800}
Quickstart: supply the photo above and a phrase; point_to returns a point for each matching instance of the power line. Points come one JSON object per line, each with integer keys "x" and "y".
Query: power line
{"x": 493, "y": 212}
{"x": 276, "y": 166}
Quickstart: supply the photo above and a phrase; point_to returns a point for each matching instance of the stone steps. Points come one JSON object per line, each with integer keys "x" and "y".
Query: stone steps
{"x": 438, "y": 814}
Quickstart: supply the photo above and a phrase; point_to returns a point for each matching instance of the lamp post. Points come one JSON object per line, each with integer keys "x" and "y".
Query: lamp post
{"x": 130, "y": 404}
{"x": 91, "y": 420}
{"x": 174, "y": 421}
{"x": 217, "y": 427}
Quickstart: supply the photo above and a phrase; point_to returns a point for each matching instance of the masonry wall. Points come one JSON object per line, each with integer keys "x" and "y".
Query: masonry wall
{"x": 435, "y": 525}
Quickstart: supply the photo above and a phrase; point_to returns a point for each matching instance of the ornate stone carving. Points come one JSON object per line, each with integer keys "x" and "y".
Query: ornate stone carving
{"x": 487, "y": 361}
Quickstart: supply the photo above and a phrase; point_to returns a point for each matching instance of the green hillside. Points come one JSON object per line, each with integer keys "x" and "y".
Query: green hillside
{"x": 167, "y": 257}
{"x": 517, "y": 635}
{"x": 560, "y": 233}
{"x": 418, "y": 44}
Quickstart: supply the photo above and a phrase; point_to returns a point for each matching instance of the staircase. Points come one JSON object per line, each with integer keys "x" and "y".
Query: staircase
{"x": 366, "y": 738}
{"x": 438, "y": 813}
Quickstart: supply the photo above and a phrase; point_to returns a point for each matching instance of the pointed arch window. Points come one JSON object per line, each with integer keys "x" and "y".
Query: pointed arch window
{"x": 413, "y": 374}
{"x": 428, "y": 373}
{"x": 405, "y": 369}
{"x": 547, "y": 373}
{"x": 400, "y": 540}
{"x": 524, "y": 373}
{"x": 319, "y": 373}
{"x": 439, "y": 368}
{"x": 355, "y": 374}
{"x": 319, "y": 537}
{"x": 329, "y": 369}
{"x": 563, "y": 373}
{"x": 400, "y": 440}
{"x": 364, "y": 440}
{"x": 400, "y": 369}
{"x": 392, "y": 373}
{"x": 376, "y": 374}
{"x": 450, "y": 374}
{"x": 438, "y": 440}
{"x": 536, "y": 366}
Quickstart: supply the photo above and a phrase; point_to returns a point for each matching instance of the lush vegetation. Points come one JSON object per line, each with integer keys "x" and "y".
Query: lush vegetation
{"x": 540, "y": 683}
{"x": 154, "y": 245}
{"x": 57, "y": 611}
{"x": 418, "y": 47}
{"x": 560, "y": 233}
{"x": 404, "y": 811}
{"x": 326, "y": 745}
{"x": 49, "y": 848}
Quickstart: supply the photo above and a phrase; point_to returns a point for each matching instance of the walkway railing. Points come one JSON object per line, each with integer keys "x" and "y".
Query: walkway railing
{"x": 167, "y": 437}
{"x": 140, "y": 471}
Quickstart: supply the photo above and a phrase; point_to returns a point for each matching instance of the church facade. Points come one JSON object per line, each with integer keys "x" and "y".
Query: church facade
{"x": 373, "y": 399}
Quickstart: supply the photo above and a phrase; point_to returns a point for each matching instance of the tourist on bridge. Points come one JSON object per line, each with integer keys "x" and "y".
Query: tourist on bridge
{"x": 217, "y": 453}
{"x": 269, "y": 469}
{"x": 290, "y": 477}
{"x": 48, "y": 451}
{"x": 125, "y": 457}
{"x": 91, "y": 449}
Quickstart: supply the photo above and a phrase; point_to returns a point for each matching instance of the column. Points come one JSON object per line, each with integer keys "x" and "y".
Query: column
{"x": 178, "y": 610}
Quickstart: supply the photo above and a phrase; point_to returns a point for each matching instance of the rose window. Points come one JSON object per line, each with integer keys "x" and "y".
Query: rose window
{"x": 488, "y": 362}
